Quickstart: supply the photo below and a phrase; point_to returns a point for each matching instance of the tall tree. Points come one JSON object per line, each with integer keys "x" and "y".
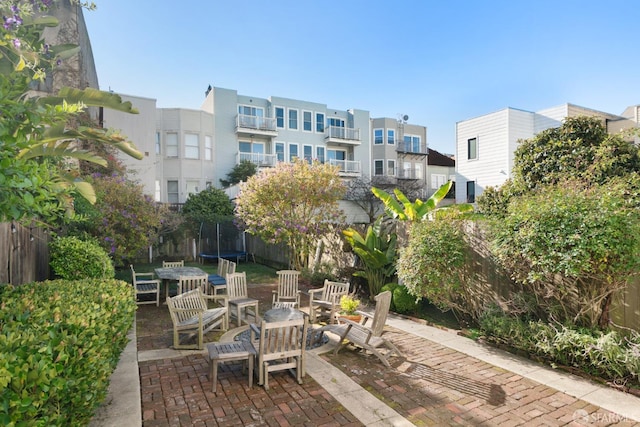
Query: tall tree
{"x": 293, "y": 203}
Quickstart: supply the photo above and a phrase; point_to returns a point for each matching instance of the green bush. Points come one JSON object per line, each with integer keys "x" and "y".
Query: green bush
{"x": 73, "y": 258}
{"x": 404, "y": 302}
{"x": 607, "y": 355}
{"x": 59, "y": 343}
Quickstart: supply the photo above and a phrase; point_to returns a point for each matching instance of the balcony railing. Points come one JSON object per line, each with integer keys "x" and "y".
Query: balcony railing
{"x": 261, "y": 160}
{"x": 409, "y": 174}
{"x": 347, "y": 167}
{"x": 341, "y": 134}
{"x": 407, "y": 147}
{"x": 256, "y": 124}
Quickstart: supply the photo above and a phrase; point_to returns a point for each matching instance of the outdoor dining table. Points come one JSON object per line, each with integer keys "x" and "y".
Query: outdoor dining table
{"x": 173, "y": 274}
{"x": 282, "y": 314}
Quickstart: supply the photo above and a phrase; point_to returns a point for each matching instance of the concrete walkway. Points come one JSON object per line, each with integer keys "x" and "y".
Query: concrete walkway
{"x": 431, "y": 352}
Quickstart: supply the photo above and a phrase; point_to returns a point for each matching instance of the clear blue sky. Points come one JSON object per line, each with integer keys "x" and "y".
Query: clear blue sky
{"x": 439, "y": 62}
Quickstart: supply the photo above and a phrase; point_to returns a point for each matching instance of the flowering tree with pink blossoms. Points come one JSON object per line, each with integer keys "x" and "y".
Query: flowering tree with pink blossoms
{"x": 294, "y": 204}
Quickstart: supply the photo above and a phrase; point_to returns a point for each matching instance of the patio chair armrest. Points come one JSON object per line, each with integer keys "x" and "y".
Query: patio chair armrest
{"x": 145, "y": 274}
{"x": 312, "y": 292}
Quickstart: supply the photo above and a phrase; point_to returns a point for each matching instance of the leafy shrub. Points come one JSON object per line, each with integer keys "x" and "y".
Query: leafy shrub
{"x": 404, "y": 302}
{"x": 59, "y": 343}
{"x": 72, "y": 258}
{"x": 603, "y": 354}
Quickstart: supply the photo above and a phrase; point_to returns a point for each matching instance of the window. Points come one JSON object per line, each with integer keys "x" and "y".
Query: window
{"x": 334, "y": 121}
{"x": 172, "y": 145}
{"x": 378, "y": 167}
{"x": 307, "y": 152}
{"x": 391, "y": 136}
{"x": 157, "y": 192}
{"x": 377, "y": 136}
{"x": 207, "y": 148}
{"x": 280, "y": 151}
{"x": 471, "y": 191}
{"x": 173, "y": 196}
{"x": 251, "y": 151}
{"x": 320, "y": 122}
{"x": 280, "y": 117}
{"x": 391, "y": 167}
{"x": 293, "y": 119}
{"x": 320, "y": 154}
{"x": 157, "y": 142}
{"x": 412, "y": 144}
{"x": 407, "y": 170}
{"x": 293, "y": 152}
{"x": 472, "y": 149}
{"x": 418, "y": 169}
{"x": 337, "y": 155}
{"x": 248, "y": 110}
{"x": 191, "y": 146}
{"x": 192, "y": 187}
{"x": 307, "y": 121}
{"x": 437, "y": 181}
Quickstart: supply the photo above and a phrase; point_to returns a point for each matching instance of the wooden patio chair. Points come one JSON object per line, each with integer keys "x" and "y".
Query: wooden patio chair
{"x": 288, "y": 293}
{"x": 368, "y": 333}
{"x": 189, "y": 283}
{"x": 239, "y": 298}
{"x": 325, "y": 301}
{"x": 172, "y": 264}
{"x": 280, "y": 346}
{"x": 145, "y": 284}
{"x": 190, "y": 314}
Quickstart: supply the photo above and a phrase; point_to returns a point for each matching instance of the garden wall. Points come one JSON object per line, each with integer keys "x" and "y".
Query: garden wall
{"x": 494, "y": 283}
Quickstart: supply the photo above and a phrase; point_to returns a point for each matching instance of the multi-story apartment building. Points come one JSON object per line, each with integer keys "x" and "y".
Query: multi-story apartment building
{"x": 485, "y": 145}
{"x": 190, "y": 150}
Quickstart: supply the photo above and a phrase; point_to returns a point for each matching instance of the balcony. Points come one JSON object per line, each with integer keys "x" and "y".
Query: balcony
{"x": 409, "y": 174}
{"x": 342, "y": 136}
{"x": 347, "y": 167}
{"x": 409, "y": 148}
{"x": 255, "y": 125}
{"x": 261, "y": 160}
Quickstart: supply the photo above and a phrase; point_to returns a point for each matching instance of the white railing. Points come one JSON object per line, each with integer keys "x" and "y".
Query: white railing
{"x": 408, "y": 147}
{"x": 266, "y": 160}
{"x": 337, "y": 132}
{"x": 256, "y": 122}
{"x": 347, "y": 166}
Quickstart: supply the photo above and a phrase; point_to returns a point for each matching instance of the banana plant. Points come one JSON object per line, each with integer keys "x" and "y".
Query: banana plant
{"x": 376, "y": 249}
{"x": 401, "y": 208}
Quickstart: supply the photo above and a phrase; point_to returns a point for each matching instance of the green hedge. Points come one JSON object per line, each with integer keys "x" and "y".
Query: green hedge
{"x": 59, "y": 343}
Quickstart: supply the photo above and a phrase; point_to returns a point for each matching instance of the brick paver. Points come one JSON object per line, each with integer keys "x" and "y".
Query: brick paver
{"x": 433, "y": 386}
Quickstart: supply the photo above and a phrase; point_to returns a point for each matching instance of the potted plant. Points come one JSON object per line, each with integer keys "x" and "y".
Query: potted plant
{"x": 348, "y": 306}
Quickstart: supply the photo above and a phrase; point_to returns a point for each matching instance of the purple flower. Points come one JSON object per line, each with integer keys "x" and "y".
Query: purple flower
{"x": 16, "y": 43}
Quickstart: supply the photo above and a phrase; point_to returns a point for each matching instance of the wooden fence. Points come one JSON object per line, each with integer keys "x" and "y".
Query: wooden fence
{"x": 24, "y": 254}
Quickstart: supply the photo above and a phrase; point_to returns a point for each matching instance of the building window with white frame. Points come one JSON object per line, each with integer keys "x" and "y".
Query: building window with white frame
{"x": 173, "y": 192}
{"x": 391, "y": 167}
{"x": 307, "y": 152}
{"x": 378, "y": 136}
{"x": 158, "y": 145}
{"x": 418, "y": 169}
{"x": 157, "y": 193}
{"x": 391, "y": 136}
{"x": 472, "y": 148}
{"x": 293, "y": 152}
{"x": 437, "y": 180}
{"x": 412, "y": 143}
{"x": 320, "y": 122}
{"x": 193, "y": 187}
{"x": 191, "y": 146}
{"x": 320, "y": 154}
{"x": 208, "y": 148}
{"x": 378, "y": 167}
{"x": 280, "y": 151}
{"x": 171, "y": 144}
{"x": 280, "y": 117}
{"x": 307, "y": 121}
{"x": 293, "y": 119}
